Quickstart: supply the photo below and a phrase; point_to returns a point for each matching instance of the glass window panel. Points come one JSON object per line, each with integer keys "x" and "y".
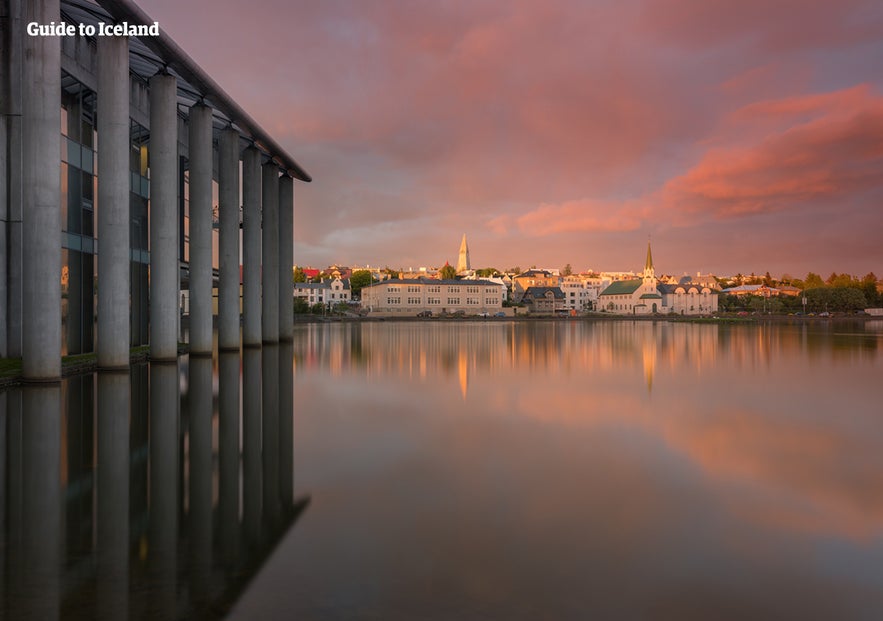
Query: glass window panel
{"x": 63, "y": 199}
{"x": 145, "y": 187}
{"x": 74, "y": 199}
{"x": 73, "y": 153}
{"x": 88, "y": 187}
{"x": 86, "y": 162}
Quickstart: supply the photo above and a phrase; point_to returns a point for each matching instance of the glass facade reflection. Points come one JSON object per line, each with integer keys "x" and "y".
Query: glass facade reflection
{"x": 123, "y": 495}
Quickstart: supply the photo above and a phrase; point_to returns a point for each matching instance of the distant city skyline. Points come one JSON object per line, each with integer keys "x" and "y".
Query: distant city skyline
{"x": 742, "y": 135}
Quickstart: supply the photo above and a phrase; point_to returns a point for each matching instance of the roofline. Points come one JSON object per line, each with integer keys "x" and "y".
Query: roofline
{"x": 177, "y": 59}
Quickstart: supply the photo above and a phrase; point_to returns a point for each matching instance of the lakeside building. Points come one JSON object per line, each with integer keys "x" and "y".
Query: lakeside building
{"x": 411, "y": 296}
{"x": 124, "y": 141}
{"x": 647, "y": 296}
{"x": 329, "y": 292}
{"x": 532, "y": 278}
{"x": 544, "y": 300}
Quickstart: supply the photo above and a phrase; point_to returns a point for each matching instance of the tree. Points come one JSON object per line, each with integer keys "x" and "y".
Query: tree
{"x": 301, "y": 306}
{"x": 487, "y": 272}
{"x": 813, "y": 281}
{"x": 447, "y": 272}
{"x": 767, "y": 279}
{"x": 299, "y": 275}
{"x": 359, "y": 280}
{"x": 568, "y": 270}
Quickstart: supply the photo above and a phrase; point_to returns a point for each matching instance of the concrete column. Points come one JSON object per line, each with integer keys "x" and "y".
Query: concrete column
{"x": 200, "y": 144}
{"x": 114, "y": 181}
{"x": 228, "y": 213}
{"x": 112, "y": 542}
{"x": 251, "y": 247}
{"x": 41, "y": 178}
{"x": 270, "y": 253}
{"x": 165, "y": 281}
{"x": 164, "y": 490}
{"x": 286, "y": 258}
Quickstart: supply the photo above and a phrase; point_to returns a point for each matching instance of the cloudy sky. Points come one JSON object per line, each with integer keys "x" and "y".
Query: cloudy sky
{"x": 739, "y": 135}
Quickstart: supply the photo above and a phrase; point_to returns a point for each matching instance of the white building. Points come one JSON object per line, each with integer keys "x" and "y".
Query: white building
{"x": 412, "y": 296}
{"x": 328, "y": 292}
{"x": 646, "y": 296}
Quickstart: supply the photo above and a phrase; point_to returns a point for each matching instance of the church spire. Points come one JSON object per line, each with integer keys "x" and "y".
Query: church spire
{"x": 649, "y": 272}
{"x": 463, "y": 264}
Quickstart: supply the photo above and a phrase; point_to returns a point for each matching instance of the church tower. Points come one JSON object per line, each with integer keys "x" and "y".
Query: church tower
{"x": 463, "y": 264}
{"x": 649, "y": 272}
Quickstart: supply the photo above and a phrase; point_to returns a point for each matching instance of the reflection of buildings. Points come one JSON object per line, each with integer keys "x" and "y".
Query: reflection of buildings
{"x": 116, "y": 501}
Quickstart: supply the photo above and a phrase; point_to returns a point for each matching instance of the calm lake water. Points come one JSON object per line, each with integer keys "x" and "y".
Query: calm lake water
{"x": 459, "y": 470}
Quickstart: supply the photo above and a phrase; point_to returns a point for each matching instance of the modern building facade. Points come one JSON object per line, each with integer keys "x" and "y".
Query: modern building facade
{"x": 126, "y": 176}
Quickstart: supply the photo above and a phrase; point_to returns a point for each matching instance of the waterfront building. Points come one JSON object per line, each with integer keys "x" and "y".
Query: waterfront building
{"x": 111, "y": 150}
{"x": 647, "y": 296}
{"x": 329, "y": 292}
{"x": 409, "y": 297}
{"x": 544, "y": 300}
{"x": 532, "y": 278}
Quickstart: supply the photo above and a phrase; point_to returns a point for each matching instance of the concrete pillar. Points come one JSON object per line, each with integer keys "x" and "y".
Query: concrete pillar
{"x": 112, "y": 542}
{"x": 41, "y": 178}
{"x": 164, "y": 490}
{"x": 200, "y": 144}
{"x": 114, "y": 218}
{"x": 286, "y": 258}
{"x": 251, "y": 247}
{"x": 228, "y": 214}
{"x": 270, "y": 253}
{"x": 165, "y": 281}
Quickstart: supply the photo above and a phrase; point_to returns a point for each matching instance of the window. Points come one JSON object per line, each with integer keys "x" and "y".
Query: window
{"x": 454, "y": 301}
{"x": 392, "y": 301}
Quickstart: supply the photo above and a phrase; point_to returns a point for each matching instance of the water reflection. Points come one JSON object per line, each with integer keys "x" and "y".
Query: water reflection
{"x": 587, "y": 470}
{"x": 120, "y": 492}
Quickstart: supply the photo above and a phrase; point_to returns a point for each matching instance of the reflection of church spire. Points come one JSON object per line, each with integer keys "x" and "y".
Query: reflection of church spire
{"x": 463, "y": 264}
{"x": 463, "y": 369}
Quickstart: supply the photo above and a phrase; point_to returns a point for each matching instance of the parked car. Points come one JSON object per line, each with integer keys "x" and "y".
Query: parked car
{"x": 499, "y": 314}
{"x": 425, "y": 313}
{"x": 485, "y": 314}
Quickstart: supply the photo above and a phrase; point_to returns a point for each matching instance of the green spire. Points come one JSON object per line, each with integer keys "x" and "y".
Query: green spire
{"x": 649, "y": 264}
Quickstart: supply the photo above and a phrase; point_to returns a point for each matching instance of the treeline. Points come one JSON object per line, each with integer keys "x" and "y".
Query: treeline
{"x": 837, "y": 293}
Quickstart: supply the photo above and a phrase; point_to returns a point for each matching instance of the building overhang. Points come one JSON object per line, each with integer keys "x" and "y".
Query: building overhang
{"x": 160, "y": 54}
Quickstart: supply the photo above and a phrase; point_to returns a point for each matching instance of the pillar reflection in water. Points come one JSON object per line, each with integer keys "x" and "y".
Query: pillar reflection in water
{"x": 114, "y": 399}
{"x": 251, "y": 443}
{"x": 270, "y": 434}
{"x": 228, "y": 493}
{"x": 286, "y": 425}
{"x": 39, "y": 591}
{"x": 199, "y": 519}
{"x": 164, "y": 488}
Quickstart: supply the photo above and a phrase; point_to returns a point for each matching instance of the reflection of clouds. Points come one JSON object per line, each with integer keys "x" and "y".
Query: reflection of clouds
{"x": 756, "y": 409}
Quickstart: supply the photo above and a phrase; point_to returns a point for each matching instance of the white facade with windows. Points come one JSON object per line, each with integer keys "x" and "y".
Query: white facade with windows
{"x": 411, "y": 296}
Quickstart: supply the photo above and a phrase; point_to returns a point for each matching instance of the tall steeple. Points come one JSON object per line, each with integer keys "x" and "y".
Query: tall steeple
{"x": 649, "y": 272}
{"x": 463, "y": 264}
